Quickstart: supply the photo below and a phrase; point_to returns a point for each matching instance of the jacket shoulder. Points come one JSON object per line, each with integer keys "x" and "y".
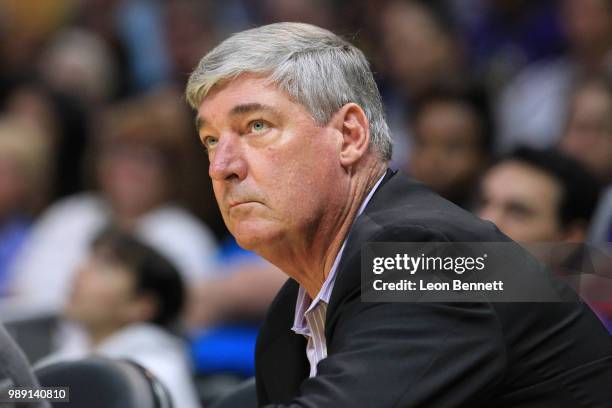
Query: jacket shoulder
{"x": 405, "y": 210}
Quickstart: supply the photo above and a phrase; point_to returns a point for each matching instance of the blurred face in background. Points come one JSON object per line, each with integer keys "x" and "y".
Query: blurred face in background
{"x": 133, "y": 176}
{"x": 522, "y": 201}
{"x": 588, "y": 135}
{"x": 588, "y": 26}
{"x": 79, "y": 63}
{"x": 447, "y": 154}
{"x": 417, "y": 52}
{"x": 103, "y": 296}
{"x": 24, "y": 167}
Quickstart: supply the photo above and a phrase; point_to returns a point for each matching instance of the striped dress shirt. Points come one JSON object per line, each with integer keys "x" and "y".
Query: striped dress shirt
{"x": 310, "y": 313}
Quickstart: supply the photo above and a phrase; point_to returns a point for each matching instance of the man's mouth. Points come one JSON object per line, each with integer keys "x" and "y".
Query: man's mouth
{"x": 233, "y": 204}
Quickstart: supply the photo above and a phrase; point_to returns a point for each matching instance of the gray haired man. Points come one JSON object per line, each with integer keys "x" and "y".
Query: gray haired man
{"x": 299, "y": 149}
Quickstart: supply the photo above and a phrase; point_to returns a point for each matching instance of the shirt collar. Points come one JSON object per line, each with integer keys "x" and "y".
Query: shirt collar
{"x": 303, "y": 303}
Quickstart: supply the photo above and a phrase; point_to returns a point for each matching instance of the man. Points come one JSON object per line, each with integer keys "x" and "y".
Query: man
{"x": 588, "y": 132}
{"x": 587, "y": 137}
{"x": 539, "y": 196}
{"x": 298, "y": 149}
{"x": 543, "y": 196}
{"x": 452, "y": 133}
{"x": 126, "y": 298}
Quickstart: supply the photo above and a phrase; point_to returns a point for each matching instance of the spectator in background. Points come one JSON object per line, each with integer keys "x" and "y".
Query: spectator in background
{"x": 64, "y": 120}
{"x": 78, "y": 63}
{"x": 25, "y": 27}
{"x": 419, "y": 53}
{"x": 539, "y": 196}
{"x": 588, "y": 138}
{"x": 419, "y": 46}
{"x": 543, "y": 196}
{"x": 531, "y": 108}
{"x": 588, "y": 133}
{"x": 24, "y": 157}
{"x": 127, "y": 297}
{"x": 452, "y": 138}
{"x": 80, "y": 73}
{"x": 137, "y": 158}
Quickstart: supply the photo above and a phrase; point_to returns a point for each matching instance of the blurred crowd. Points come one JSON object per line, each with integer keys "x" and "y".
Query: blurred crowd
{"x": 502, "y": 106}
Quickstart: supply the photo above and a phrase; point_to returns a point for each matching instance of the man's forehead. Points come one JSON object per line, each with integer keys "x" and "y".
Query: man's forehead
{"x": 243, "y": 94}
{"x": 525, "y": 183}
{"x": 240, "y": 87}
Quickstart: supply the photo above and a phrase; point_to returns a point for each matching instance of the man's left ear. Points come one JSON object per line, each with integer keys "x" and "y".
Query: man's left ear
{"x": 353, "y": 124}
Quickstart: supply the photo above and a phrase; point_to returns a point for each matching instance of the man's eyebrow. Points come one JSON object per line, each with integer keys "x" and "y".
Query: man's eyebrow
{"x": 251, "y": 107}
{"x": 520, "y": 206}
{"x": 239, "y": 110}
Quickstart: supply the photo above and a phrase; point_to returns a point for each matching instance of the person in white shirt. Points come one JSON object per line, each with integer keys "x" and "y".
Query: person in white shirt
{"x": 124, "y": 302}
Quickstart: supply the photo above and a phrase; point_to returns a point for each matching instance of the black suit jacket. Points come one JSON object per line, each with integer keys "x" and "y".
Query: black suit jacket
{"x": 432, "y": 354}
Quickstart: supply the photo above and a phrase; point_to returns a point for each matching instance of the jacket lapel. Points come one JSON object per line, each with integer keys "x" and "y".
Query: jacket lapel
{"x": 348, "y": 279}
{"x": 281, "y": 354}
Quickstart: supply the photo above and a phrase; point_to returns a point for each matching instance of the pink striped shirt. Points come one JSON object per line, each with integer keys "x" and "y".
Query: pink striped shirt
{"x": 310, "y": 314}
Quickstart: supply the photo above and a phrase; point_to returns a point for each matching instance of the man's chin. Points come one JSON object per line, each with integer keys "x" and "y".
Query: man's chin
{"x": 254, "y": 237}
{"x": 250, "y": 243}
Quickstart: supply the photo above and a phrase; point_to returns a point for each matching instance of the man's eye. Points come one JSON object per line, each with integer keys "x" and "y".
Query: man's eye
{"x": 258, "y": 126}
{"x": 209, "y": 142}
{"x": 520, "y": 212}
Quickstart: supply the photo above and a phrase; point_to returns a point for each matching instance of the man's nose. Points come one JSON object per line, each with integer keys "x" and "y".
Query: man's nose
{"x": 227, "y": 161}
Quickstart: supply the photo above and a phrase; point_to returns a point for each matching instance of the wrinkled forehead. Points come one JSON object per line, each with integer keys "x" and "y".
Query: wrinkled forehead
{"x": 249, "y": 80}
{"x": 241, "y": 95}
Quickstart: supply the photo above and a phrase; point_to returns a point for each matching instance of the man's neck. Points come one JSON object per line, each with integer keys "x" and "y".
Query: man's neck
{"x": 311, "y": 263}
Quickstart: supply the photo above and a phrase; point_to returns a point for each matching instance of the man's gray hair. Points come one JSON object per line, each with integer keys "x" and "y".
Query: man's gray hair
{"x": 317, "y": 68}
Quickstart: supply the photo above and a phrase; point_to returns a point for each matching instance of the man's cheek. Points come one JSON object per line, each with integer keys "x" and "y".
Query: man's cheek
{"x": 218, "y": 192}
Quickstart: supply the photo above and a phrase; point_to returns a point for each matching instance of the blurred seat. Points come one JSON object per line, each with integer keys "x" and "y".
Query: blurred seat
{"x": 243, "y": 396}
{"x": 32, "y": 330}
{"x": 98, "y": 382}
{"x": 15, "y": 370}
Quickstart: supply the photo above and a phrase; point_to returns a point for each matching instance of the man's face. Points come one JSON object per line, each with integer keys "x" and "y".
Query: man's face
{"x": 522, "y": 201}
{"x": 274, "y": 170}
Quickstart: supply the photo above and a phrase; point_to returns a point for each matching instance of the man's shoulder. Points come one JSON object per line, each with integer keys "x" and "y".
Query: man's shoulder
{"x": 404, "y": 210}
